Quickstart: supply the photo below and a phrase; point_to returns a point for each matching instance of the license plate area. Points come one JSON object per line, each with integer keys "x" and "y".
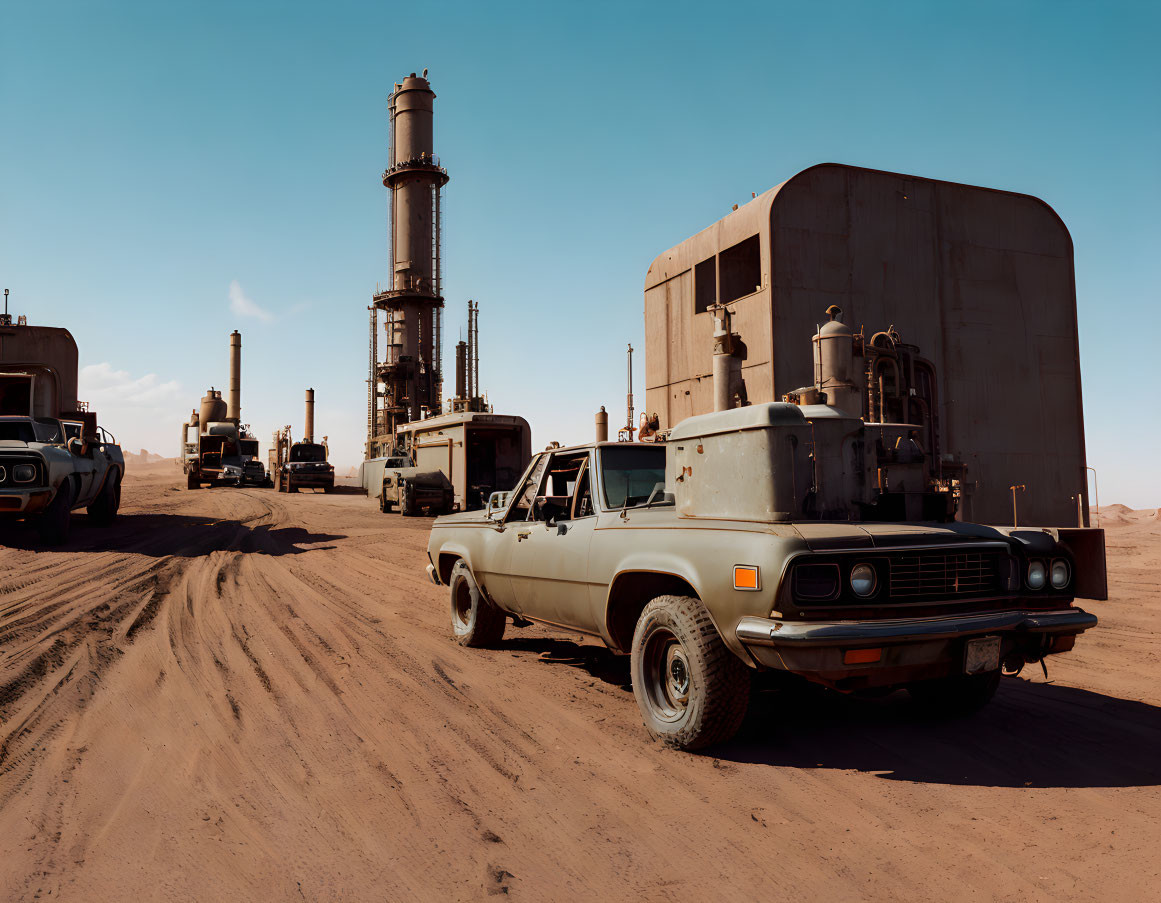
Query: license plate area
{"x": 982, "y": 655}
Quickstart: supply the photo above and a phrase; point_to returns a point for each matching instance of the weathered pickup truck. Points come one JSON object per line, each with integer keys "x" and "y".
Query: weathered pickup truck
{"x": 720, "y": 553}
{"x": 50, "y": 467}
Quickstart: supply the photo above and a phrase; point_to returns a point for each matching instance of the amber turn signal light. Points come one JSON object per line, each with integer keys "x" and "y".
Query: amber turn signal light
{"x": 862, "y": 656}
{"x": 745, "y": 577}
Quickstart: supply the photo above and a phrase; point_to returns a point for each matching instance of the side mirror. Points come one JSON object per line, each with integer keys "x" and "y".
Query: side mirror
{"x": 76, "y": 446}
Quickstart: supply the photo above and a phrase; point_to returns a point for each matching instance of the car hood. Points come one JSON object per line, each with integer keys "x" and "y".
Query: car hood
{"x": 827, "y": 536}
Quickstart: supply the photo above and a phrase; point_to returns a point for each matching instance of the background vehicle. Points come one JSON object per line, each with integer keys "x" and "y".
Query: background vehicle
{"x": 412, "y": 490}
{"x": 299, "y": 465}
{"x": 54, "y": 458}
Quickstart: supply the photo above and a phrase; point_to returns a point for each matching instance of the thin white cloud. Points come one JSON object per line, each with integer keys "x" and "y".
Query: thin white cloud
{"x": 244, "y": 306}
{"x": 141, "y": 411}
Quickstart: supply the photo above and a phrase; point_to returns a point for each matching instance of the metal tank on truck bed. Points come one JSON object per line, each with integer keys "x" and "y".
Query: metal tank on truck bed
{"x": 54, "y": 457}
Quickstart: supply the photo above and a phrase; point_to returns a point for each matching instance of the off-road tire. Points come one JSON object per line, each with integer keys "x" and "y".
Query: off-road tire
{"x": 407, "y": 500}
{"x": 957, "y": 696}
{"x": 191, "y": 480}
{"x": 103, "y": 510}
{"x": 475, "y": 621}
{"x": 716, "y": 682}
{"x": 53, "y": 523}
{"x": 290, "y": 487}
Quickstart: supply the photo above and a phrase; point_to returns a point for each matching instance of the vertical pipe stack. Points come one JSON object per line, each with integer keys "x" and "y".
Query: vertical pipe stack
{"x": 602, "y": 425}
{"x": 234, "y": 408}
{"x": 308, "y": 432}
{"x": 412, "y": 372}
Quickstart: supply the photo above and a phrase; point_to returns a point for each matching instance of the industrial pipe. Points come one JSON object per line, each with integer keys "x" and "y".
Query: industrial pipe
{"x": 722, "y": 363}
{"x": 234, "y": 409}
{"x": 308, "y": 433}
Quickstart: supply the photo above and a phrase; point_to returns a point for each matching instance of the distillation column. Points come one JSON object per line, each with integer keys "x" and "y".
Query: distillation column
{"x": 411, "y": 372}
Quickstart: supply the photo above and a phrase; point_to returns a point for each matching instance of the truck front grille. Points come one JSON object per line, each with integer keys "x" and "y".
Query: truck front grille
{"x": 946, "y": 574}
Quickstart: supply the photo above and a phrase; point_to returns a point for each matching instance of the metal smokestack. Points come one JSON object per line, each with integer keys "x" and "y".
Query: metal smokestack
{"x": 234, "y": 405}
{"x": 308, "y": 434}
{"x": 461, "y": 369}
{"x": 602, "y": 425}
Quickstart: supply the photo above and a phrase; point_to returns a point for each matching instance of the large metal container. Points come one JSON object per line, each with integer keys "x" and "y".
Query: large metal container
{"x": 981, "y": 280}
{"x": 212, "y": 408}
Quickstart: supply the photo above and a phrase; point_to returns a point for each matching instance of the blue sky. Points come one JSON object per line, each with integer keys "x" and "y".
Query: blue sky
{"x": 160, "y": 162}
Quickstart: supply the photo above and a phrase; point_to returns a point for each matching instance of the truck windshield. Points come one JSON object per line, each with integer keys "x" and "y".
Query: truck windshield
{"x": 629, "y": 473}
{"x": 307, "y": 452}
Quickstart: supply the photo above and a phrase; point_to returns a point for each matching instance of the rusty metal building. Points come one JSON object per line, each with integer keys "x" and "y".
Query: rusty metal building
{"x": 981, "y": 280}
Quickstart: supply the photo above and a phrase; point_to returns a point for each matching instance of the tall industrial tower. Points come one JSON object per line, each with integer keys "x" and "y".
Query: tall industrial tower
{"x": 410, "y": 373}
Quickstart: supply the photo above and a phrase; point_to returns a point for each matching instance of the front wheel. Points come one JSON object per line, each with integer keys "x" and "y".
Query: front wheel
{"x": 475, "y": 620}
{"x": 104, "y": 509}
{"x": 54, "y": 522}
{"x": 692, "y": 690}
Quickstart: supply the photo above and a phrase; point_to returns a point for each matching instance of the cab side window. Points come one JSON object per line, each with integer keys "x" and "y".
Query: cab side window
{"x": 562, "y": 481}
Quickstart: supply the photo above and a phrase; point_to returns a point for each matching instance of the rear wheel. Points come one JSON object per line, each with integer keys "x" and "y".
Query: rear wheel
{"x": 475, "y": 621}
{"x": 691, "y": 689}
{"x": 951, "y": 697}
{"x": 191, "y": 480}
{"x": 104, "y": 508}
{"x": 54, "y": 522}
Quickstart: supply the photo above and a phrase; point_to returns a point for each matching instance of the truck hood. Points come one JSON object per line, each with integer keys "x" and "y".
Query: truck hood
{"x": 825, "y": 537}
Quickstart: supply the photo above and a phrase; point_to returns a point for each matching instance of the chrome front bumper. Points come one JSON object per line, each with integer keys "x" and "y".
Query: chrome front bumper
{"x": 798, "y": 634}
{"x": 432, "y": 575}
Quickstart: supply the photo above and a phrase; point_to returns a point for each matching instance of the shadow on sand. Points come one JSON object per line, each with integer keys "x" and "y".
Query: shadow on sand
{"x": 1031, "y": 735}
{"x": 181, "y": 535}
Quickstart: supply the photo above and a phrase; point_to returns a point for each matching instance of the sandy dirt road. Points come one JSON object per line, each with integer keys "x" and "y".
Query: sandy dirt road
{"x": 237, "y": 694}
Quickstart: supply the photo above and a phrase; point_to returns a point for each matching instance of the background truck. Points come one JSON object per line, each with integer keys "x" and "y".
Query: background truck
{"x": 413, "y": 490}
{"x": 54, "y": 458}
{"x": 477, "y": 452}
{"x": 299, "y": 465}
{"x": 222, "y": 452}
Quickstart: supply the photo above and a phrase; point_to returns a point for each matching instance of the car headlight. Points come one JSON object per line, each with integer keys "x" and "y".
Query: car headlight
{"x": 863, "y": 579}
{"x": 24, "y": 473}
{"x": 816, "y": 581}
{"x": 1036, "y": 575}
{"x": 1060, "y": 573}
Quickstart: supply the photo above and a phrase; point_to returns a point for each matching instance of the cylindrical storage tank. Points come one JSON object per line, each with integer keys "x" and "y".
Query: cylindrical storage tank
{"x": 212, "y": 409}
{"x": 234, "y": 408}
{"x": 308, "y": 433}
{"x": 602, "y": 422}
{"x": 834, "y": 364}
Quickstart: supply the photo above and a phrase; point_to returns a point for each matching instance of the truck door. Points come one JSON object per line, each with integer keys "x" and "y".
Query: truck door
{"x": 549, "y": 564}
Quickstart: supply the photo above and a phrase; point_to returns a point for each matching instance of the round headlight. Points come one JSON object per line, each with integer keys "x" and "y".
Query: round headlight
{"x": 863, "y": 579}
{"x": 1060, "y": 573}
{"x": 24, "y": 473}
{"x": 1036, "y": 575}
